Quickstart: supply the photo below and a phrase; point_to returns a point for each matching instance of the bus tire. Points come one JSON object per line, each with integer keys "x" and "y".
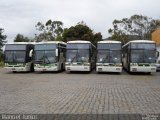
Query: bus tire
{"x": 32, "y": 68}
{"x": 62, "y": 67}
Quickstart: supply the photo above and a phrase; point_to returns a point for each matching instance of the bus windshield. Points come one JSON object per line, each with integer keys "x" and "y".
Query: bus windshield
{"x": 78, "y": 55}
{"x": 15, "y": 56}
{"x": 109, "y": 56}
{"x": 143, "y": 56}
{"x": 45, "y": 56}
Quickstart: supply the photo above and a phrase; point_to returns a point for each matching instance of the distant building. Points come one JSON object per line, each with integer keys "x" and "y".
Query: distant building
{"x": 156, "y": 36}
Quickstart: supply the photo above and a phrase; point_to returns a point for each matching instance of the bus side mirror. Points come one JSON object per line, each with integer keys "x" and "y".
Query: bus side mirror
{"x": 56, "y": 52}
{"x": 157, "y": 54}
{"x": 31, "y": 53}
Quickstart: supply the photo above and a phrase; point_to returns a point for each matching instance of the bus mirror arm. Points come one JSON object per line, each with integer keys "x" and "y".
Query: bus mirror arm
{"x": 31, "y": 53}
{"x": 56, "y": 52}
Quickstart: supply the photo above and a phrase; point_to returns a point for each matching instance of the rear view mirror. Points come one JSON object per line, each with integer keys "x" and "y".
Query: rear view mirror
{"x": 31, "y": 53}
{"x": 157, "y": 54}
{"x": 56, "y": 52}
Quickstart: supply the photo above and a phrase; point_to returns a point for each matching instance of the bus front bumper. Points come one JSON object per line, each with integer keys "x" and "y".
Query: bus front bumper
{"x": 39, "y": 69}
{"x": 77, "y": 68}
{"x": 16, "y": 69}
{"x": 142, "y": 69}
{"x": 108, "y": 69}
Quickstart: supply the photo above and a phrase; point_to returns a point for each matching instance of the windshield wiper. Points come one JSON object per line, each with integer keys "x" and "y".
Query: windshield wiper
{"x": 146, "y": 58}
{"x": 39, "y": 61}
{"x": 106, "y": 57}
{"x": 49, "y": 60}
{"x": 73, "y": 58}
{"x": 112, "y": 58}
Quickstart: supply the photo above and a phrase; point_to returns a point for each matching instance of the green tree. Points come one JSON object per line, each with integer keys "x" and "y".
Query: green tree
{"x": 135, "y": 27}
{"x": 2, "y": 38}
{"x": 97, "y": 37}
{"x": 21, "y": 38}
{"x": 50, "y": 31}
{"x": 2, "y": 42}
{"x": 81, "y": 32}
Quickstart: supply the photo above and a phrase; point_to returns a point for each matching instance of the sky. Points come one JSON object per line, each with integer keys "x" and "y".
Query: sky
{"x": 21, "y": 16}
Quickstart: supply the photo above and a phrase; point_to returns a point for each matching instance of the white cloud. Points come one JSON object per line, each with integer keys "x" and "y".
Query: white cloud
{"x": 20, "y": 16}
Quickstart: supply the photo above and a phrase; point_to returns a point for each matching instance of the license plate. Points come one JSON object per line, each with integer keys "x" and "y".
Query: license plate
{"x": 13, "y": 68}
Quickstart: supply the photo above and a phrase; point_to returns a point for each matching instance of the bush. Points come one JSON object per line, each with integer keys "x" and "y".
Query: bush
{"x": 1, "y": 64}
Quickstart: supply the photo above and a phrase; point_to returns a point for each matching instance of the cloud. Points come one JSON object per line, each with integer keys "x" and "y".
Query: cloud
{"x": 20, "y": 16}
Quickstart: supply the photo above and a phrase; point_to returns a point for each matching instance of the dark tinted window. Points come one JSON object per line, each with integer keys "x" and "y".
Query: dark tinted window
{"x": 110, "y": 46}
{"x": 78, "y": 46}
{"x": 15, "y": 47}
{"x": 45, "y": 46}
{"x": 143, "y": 45}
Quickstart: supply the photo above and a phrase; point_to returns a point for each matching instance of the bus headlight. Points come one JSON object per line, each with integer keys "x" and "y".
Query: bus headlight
{"x": 153, "y": 65}
{"x": 67, "y": 63}
{"x": 133, "y": 64}
{"x": 86, "y": 64}
{"x": 36, "y": 65}
{"x": 119, "y": 65}
{"x": 6, "y": 64}
{"x": 99, "y": 64}
{"x": 20, "y": 65}
{"x": 153, "y": 68}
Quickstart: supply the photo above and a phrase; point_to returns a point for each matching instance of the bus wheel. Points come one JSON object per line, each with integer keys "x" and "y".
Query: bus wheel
{"x": 32, "y": 68}
{"x": 62, "y": 67}
{"x": 148, "y": 73}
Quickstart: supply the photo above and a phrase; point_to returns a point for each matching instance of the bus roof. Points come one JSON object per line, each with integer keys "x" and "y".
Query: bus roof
{"x": 139, "y": 41}
{"x": 109, "y": 41}
{"x": 50, "y": 42}
{"x": 79, "y": 41}
{"x": 142, "y": 41}
{"x": 20, "y": 43}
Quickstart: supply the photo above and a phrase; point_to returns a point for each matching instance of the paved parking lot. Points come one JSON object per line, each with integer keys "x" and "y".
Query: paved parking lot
{"x": 79, "y": 93}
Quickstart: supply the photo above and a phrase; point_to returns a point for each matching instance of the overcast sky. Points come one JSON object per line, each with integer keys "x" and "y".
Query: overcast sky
{"x": 20, "y": 16}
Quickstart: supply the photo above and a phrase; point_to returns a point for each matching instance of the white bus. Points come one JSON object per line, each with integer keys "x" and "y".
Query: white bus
{"x": 49, "y": 56}
{"x": 140, "y": 56}
{"x": 18, "y": 56}
{"x": 158, "y": 60}
{"x": 80, "y": 56}
{"x": 109, "y": 56}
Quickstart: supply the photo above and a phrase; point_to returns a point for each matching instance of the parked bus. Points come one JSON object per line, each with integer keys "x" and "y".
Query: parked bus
{"x": 80, "y": 56}
{"x": 18, "y": 56}
{"x": 158, "y": 60}
{"x": 49, "y": 56}
{"x": 109, "y": 56}
{"x": 140, "y": 56}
